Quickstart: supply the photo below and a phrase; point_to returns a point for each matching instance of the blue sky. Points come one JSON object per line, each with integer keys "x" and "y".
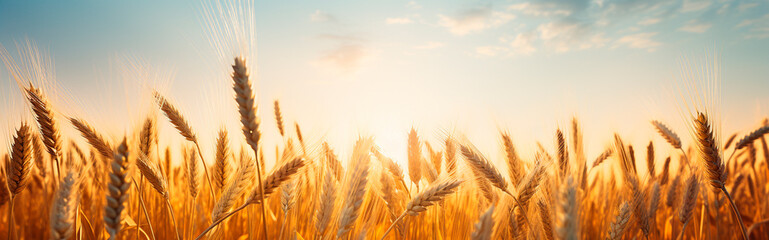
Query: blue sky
{"x": 344, "y": 68}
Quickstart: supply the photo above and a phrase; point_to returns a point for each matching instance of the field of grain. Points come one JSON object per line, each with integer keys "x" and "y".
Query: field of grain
{"x": 63, "y": 178}
{"x": 129, "y": 188}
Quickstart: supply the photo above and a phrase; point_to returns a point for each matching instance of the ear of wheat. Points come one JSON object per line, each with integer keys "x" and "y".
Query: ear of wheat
{"x": 244, "y": 96}
{"x": 147, "y": 136}
{"x": 64, "y": 209}
{"x": 356, "y": 183}
{"x": 333, "y": 162}
{"x": 484, "y": 226}
{"x": 49, "y": 128}
{"x": 93, "y": 137}
{"x": 514, "y": 164}
{"x": 328, "y": 197}
{"x": 451, "y": 160}
{"x": 563, "y": 153}
{"x": 669, "y": 136}
{"x": 617, "y": 227}
{"x": 568, "y": 224}
{"x": 547, "y": 221}
{"x": 650, "y": 159}
{"x": 152, "y": 172}
{"x": 234, "y": 189}
{"x": 752, "y": 136}
{"x": 279, "y": 118}
{"x": 221, "y": 166}
{"x": 432, "y": 194}
{"x": 273, "y": 181}
{"x": 714, "y": 166}
{"x": 20, "y": 164}
{"x": 414, "y": 157}
{"x": 118, "y": 191}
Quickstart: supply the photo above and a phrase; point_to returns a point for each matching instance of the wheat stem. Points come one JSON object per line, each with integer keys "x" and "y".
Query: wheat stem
{"x": 11, "y": 229}
{"x": 393, "y": 225}
{"x": 173, "y": 218}
{"x": 205, "y": 170}
{"x": 217, "y": 222}
{"x": 144, "y": 208}
{"x": 736, "y": 212}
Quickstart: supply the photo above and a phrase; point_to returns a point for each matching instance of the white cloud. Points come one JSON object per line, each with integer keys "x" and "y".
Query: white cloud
{"x": 757, "y": 28}
{"x": 745, "y": 6}
{"x": 640, "y": 41}
{"x": 474, "y": 20}
{"x": 695, "y": 5}
{"x": 649, "y": 21}
{"x": 346, "y": 58}
{"x": 320, "y": 16}
{"x": 748, "y": 22}
{"x": 695, "y": 27}
{"x": 489, "y": 51}
{"x": 403, "y": 20}
{"x": 413, "y": 5}
{"x": 538, "y": 10}
{"x": 523, "y": 43}
{"x": 430, "y": 45}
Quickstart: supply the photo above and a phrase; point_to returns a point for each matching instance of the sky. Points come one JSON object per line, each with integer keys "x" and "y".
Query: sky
{"x": 344, "y": 69}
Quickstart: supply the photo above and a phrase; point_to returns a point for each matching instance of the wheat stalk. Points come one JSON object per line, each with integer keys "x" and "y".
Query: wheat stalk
{"x": 147, "y": 136}
{"x": 234, "y": 189}
{"x": 483, "y": 167}
{"x": 669, "y": 136}
{"x": 451, "y": 160}
{"x": 180, "y": 123}
{"x": 547, "y": 222}
{"x": 92, "y": 137}
{"x": 529, "y": 186}
{"x": 650, "y": 159}
{"x": 221, "y": 165}
{"x": 18, "y": 167}
{"x": 689, "y": 200}
{"x": 282, "y": 174}
{"x": 66, "y": 199}
{"x": 158, "y": 182}
{"x": 568, "y": 227}
{"x": 333, "y": 163}
{"x": 244, "y": 96}
{"x": 328, "y": 197}
{"x": 47, "y": 123}
{"x": 20, "y": 164}
{"x": 752, "y": 136}
{"x": 601, "y": 158}
{"x": 432, "y": 194}
{"x": 356, "y": 187}
{"x": 617, "y": 227}
{"x": 392, "y": 167}
{"x": 514, "y": 164}
{"x": 118, "y": 191}
{"x": 414, "y": 157}
{"x": 714, "y": 166}
{"x": 563, "y": 153}
{"x": 279, "y": 118}
{"x": 484, "y": 226}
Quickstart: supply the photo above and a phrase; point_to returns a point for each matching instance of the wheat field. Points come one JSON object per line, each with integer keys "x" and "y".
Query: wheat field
{"x": 134, "y": 188}
{"x": 63, "y": 178}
